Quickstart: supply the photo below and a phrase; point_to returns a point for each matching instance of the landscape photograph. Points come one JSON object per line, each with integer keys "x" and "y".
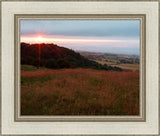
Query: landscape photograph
{"x": 79, "y": 67}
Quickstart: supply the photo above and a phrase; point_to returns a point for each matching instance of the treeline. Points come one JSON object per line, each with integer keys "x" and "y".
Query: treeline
{"x": 55, "y": 57}
{"x": 129, "y": 61}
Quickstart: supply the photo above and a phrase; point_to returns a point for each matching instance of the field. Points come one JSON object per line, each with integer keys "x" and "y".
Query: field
{"x": 123, "y": 66}
{"x": 78, "y": 92}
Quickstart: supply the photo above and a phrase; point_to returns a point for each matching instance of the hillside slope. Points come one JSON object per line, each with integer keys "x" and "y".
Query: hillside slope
{"x": 56, "y": 57}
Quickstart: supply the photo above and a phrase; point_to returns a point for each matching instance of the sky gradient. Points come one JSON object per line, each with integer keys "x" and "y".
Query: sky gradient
{"x": 121, "y": 37}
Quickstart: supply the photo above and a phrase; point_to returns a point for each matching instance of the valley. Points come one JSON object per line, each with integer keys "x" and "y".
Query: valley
{"x": 125, "y": 62}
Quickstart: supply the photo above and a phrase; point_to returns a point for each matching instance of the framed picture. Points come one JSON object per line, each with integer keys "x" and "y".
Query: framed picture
{"x": 80, "y": 67}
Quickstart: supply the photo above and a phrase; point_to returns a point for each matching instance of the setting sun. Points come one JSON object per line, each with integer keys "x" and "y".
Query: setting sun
{"x": 39, "y": 39}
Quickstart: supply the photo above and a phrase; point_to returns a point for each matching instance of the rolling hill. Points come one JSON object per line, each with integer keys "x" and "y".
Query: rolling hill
{"x": 56, "y": 57}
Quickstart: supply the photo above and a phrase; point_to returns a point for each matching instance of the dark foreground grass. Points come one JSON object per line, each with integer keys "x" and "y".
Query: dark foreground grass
{"x": 79, "y": 92}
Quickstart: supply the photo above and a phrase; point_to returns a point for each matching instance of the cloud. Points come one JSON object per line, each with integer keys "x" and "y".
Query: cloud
{"x": 82, "y": 28}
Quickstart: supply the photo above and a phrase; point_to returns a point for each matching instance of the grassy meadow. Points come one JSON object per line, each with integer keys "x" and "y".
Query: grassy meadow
{"x": 78, "y": 91}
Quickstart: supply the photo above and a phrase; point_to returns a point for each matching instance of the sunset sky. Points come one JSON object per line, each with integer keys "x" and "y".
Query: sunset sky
{"x": 108, "y": 36}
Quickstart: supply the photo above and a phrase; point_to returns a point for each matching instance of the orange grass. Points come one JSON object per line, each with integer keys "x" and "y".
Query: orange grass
{"x": 79, "y": 92}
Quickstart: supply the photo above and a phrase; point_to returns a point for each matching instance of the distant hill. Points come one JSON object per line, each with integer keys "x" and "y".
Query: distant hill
{"x": 120, "y": 58}
{"x": 56, "y": 57}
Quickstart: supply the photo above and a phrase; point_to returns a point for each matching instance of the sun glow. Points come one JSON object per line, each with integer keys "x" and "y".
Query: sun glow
{"x": 39, "y": 39}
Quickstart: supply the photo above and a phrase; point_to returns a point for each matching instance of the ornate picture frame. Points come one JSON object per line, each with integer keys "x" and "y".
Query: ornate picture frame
{"x": 147, "y": 123}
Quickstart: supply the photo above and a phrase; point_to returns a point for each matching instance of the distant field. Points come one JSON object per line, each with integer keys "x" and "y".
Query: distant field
{"x": 79, "y": 92}
{"x": 123, "y": 66}
{"x": 128, "y": 66}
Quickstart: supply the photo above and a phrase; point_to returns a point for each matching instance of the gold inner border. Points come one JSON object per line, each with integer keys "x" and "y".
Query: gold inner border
{"x": 142, "y": 96}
